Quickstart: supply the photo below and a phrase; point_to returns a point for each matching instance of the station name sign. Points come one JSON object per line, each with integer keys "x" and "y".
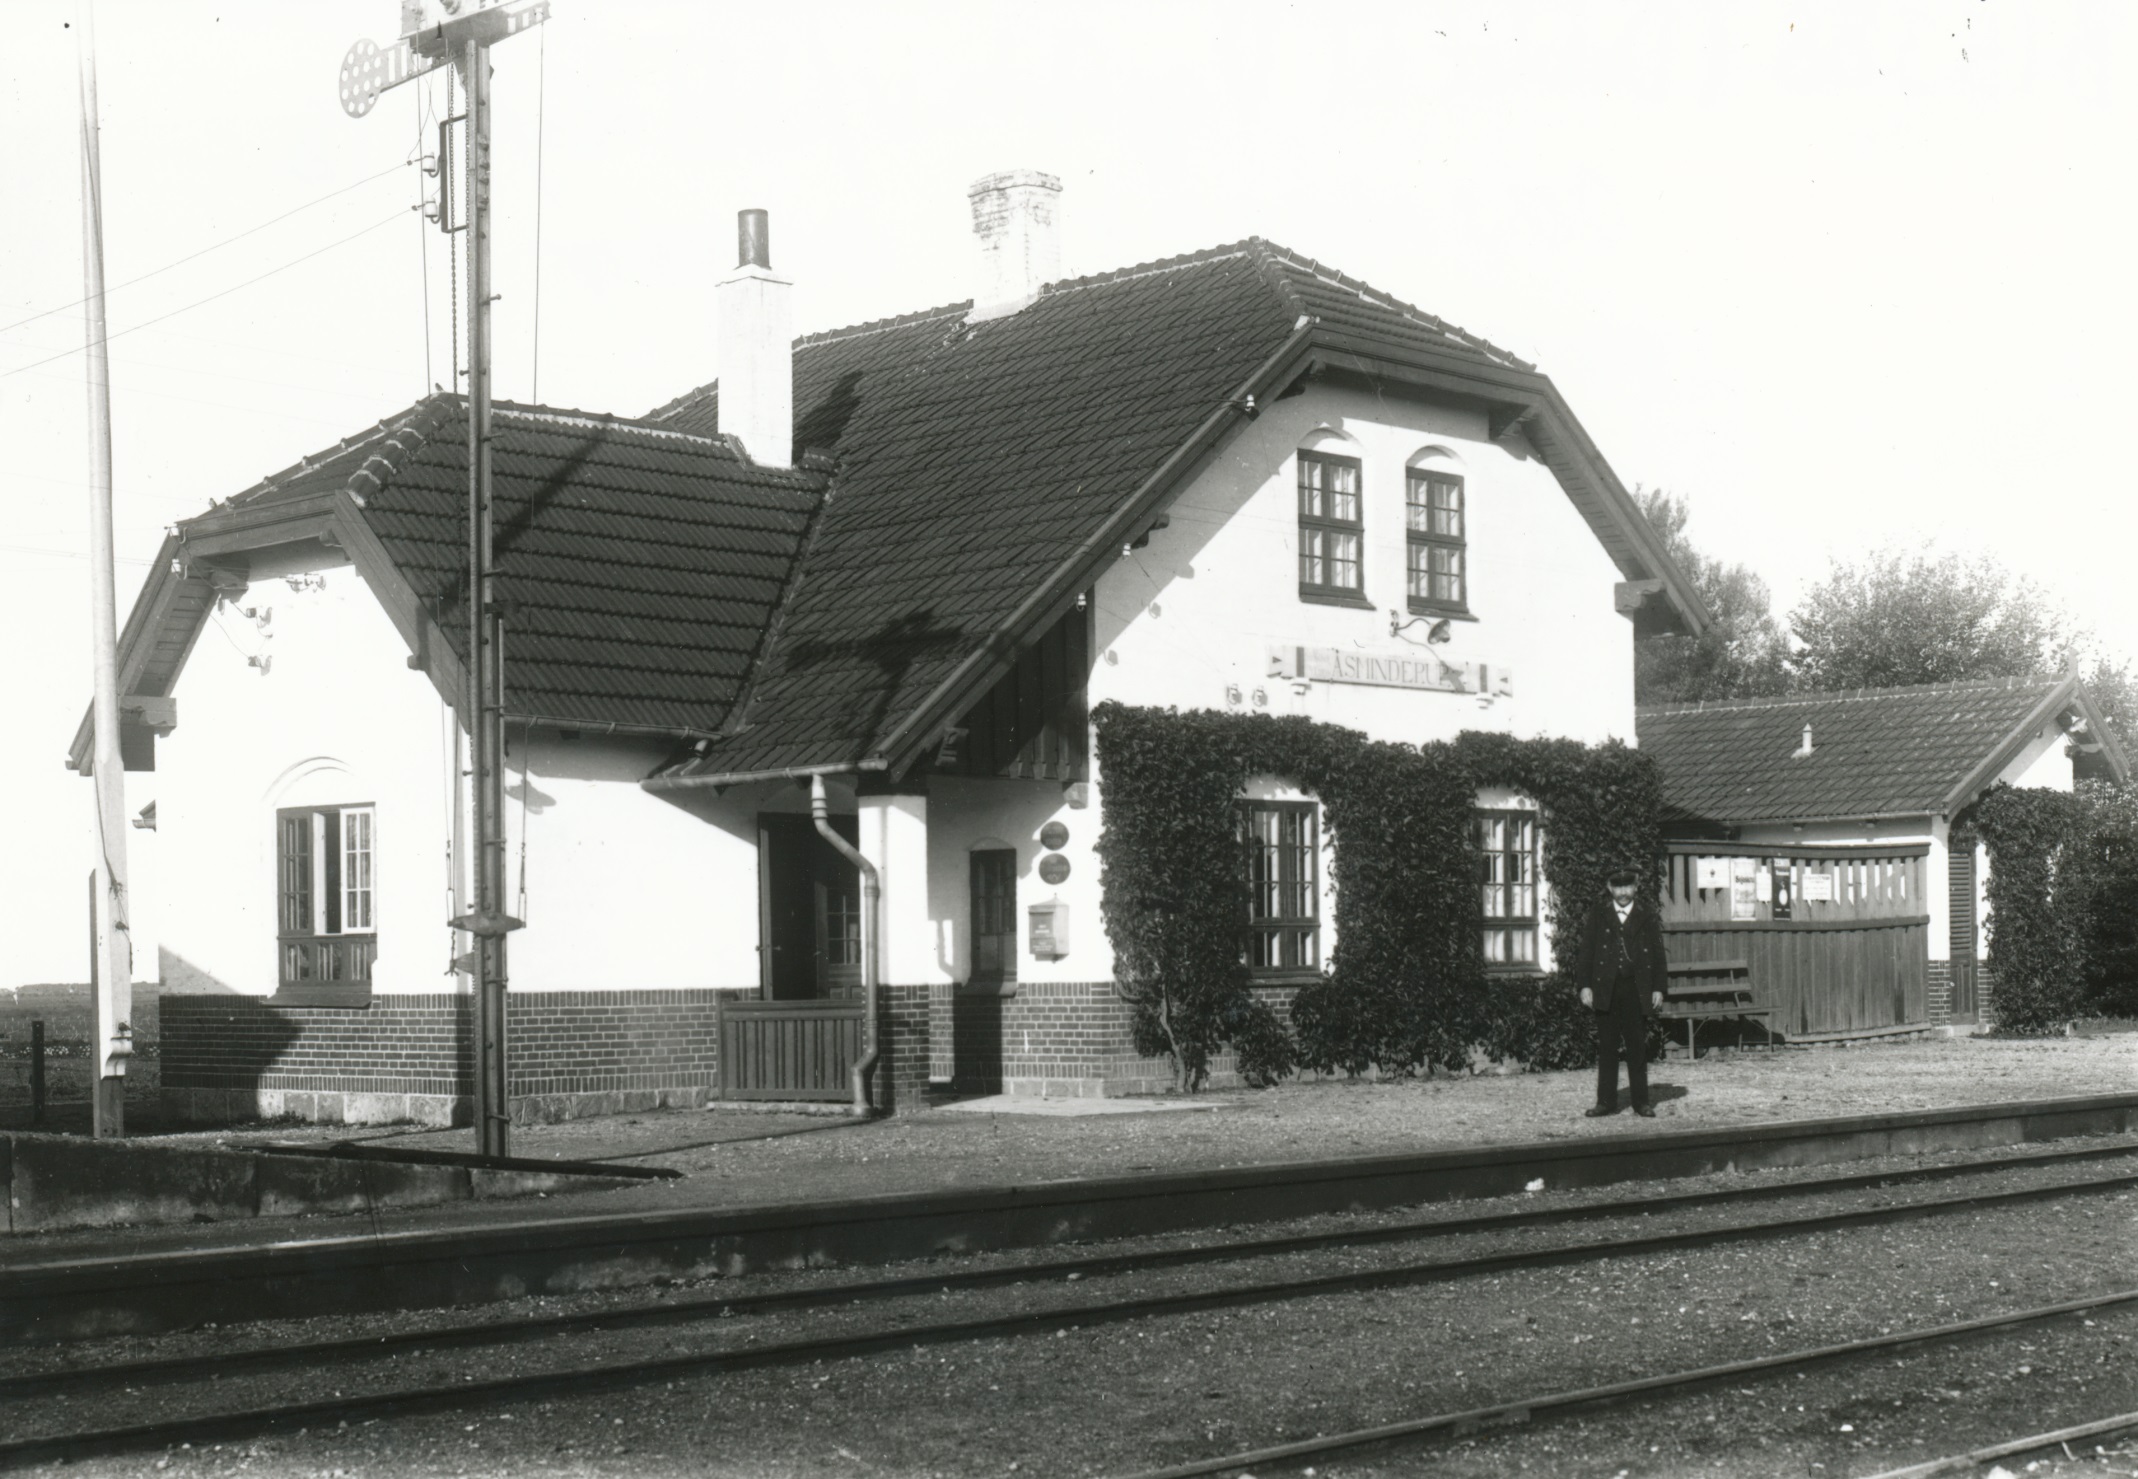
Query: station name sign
{"x": 1414, "y": 669}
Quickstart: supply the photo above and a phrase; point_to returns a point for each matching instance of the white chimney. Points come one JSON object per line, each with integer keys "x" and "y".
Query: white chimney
{"x": 1016, "y": 216}
{"x": 755, "y": 349}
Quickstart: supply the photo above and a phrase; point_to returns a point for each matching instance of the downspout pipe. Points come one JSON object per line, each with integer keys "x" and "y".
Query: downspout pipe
{"x": 871, "y": 895}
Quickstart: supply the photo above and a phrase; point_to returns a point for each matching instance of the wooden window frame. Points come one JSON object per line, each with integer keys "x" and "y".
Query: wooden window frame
{"x": 319, "y": 959}
{"x": 1507, "y": 922}
{"x": 1420, "y": 543}
{"x": 1327, "y": 526}
{"x": 1298, "y": 869}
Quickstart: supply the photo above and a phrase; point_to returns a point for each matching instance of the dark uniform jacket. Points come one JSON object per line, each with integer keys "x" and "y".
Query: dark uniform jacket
{"x": 1612, "y": 956}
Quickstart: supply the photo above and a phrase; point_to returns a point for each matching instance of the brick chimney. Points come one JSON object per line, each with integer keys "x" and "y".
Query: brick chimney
{"x": 1016, "y": 217}
{"x": 754, "y": 348}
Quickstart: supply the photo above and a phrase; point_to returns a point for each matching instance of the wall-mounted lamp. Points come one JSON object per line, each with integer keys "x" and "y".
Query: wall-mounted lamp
{"x": 1436, "y": 630}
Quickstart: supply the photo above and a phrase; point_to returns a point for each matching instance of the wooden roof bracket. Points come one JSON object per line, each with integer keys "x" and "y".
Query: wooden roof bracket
{"x": 1504, "y": 421}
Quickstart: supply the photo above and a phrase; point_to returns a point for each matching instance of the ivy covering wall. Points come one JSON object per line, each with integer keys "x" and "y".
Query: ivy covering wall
{"x": 2063, "y": 896}
{"x": 1405, "y": 987}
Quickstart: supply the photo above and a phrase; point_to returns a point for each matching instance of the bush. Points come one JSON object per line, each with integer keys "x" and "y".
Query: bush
{"x": 1405, "y": 987}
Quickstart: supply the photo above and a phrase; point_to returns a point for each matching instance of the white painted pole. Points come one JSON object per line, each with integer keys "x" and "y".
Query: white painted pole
{"x": 114, "y": 966}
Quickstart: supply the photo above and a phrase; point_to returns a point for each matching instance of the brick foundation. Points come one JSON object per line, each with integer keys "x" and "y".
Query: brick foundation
{"x": 902, "y": 1046}
{"x": 1939, "y": 994}
{"x": 411, "y": 1057}
{"x": 1068, "y": 1039}
{"x": 578, "y": 1053}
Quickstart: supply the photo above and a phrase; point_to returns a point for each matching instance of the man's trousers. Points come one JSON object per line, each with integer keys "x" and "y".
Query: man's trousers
{"x": 1622, "y": 1032}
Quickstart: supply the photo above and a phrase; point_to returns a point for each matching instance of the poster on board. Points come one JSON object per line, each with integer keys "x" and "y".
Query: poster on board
{"x": 1744, "y": 885}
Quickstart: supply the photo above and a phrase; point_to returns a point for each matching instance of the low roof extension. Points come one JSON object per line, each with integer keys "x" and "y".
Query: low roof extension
{"x": 1875, "y": 752}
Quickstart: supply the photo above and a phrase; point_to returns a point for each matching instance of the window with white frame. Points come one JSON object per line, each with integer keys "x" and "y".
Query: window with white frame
{"x": 1507, "y": 843}
{"x": 326, "y": 912}
{"x": 1436, "y": 547}
{"x": 1332, "y": 528}
{"x": 1278, "y": 846}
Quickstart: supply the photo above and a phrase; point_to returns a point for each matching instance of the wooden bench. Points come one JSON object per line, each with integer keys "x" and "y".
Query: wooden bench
{"x": 1712, "y": 989}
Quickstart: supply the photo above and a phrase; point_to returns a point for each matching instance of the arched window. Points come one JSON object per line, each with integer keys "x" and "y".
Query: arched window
{"x": 1332, "y": 523}
{"x": 1436, "y": 543}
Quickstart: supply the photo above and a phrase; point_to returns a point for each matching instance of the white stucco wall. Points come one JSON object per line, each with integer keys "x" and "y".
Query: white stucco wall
{"x": 336, "y": 717}
{"x": 968, "y": 814}
{"x": 624, "y": 889}
{"x": 1196, "y": 611}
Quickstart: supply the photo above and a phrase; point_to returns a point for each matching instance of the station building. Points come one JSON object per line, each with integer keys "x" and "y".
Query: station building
{"x": 887, "y": 572}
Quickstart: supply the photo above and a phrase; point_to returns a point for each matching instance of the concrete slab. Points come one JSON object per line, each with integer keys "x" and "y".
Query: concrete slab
{"x": 1080, "y": 1105}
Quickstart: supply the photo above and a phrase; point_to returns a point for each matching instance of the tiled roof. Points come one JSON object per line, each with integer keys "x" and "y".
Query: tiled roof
{"x": 641, "y": 564}
{"x": 659, "y": 580}
{"x": 1875, "y": 751}
{"x": 974, "y": 461}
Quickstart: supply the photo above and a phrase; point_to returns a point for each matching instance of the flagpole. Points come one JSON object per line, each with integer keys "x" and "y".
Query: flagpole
{"x": 113, "y": 969}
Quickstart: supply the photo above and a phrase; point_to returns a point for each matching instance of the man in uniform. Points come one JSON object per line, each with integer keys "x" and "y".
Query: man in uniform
{"x": 1620, "y": 972}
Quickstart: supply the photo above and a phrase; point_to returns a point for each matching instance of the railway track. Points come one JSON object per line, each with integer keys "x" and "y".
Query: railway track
{"x": 494, "y": 1332}
{"x": 1967, "y": 1463}
{"x": 1053, "y": 1316}
{"x": 1551, "y": 1404}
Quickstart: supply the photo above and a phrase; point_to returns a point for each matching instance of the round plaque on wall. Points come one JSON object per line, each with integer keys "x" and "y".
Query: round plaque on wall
{"x": 1053, "y": 868}
{"x": 1054, "y": 837}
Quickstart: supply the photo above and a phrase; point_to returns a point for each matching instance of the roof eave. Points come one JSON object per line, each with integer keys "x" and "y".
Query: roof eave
{"x": 2008, "y": 749}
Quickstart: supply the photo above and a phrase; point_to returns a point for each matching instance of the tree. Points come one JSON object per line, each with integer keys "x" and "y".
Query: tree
{"x": 1896, "y": 618}
{"x": 1744, "y": 654}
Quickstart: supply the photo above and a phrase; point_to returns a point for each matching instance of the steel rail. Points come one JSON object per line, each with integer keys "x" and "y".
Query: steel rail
{"x": 1966, "y": 1463}
{"x": 682, "y": 1311}
{"x": 216, "y": 1427}
{"x": 1527, "y": 1409}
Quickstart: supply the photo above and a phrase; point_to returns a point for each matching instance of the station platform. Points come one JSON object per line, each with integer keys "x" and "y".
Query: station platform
{"x": 1415, "y": 1140}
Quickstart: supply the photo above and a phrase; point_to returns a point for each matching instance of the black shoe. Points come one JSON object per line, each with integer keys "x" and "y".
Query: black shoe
{"x": 1598, "y": 1111}
{"x": 1645, "y": 1111}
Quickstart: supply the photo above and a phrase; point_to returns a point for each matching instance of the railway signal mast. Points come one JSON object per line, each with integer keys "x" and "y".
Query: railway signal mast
{"x": 432, "y": 33}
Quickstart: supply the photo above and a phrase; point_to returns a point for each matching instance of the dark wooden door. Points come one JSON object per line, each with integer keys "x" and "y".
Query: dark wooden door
{"x": 994, "y": 915}
{"x": 810, "y": 909}
{"x": 1960, "y": 877}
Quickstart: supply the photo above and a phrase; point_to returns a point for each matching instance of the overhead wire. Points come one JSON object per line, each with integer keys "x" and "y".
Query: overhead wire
{"x": 211, "y": 247}
{"x": 212, "y": 297}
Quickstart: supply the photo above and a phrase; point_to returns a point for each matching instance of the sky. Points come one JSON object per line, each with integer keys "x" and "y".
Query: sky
{"x": 1844, "y": 275}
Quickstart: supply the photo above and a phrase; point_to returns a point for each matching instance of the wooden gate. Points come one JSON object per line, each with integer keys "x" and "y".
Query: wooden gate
{"x": 1836, "y": 938}
{"x": 788, "y": 1049}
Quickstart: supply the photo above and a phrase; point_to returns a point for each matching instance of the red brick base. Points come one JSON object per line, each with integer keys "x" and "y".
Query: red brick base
{"x": 574, "y": 1053}
{"x": 412, "y": 1057}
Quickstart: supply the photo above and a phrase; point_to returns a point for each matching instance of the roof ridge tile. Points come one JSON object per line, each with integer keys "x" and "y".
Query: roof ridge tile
{"x": 1843, "y": 695}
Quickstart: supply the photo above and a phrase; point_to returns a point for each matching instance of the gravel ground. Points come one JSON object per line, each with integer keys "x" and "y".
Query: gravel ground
{"x": 1169, "y": 1388}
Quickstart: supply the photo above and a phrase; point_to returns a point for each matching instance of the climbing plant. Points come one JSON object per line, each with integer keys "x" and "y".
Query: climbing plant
{"x": 1405, "y": 987}
{"x": 2063, "y": 897}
